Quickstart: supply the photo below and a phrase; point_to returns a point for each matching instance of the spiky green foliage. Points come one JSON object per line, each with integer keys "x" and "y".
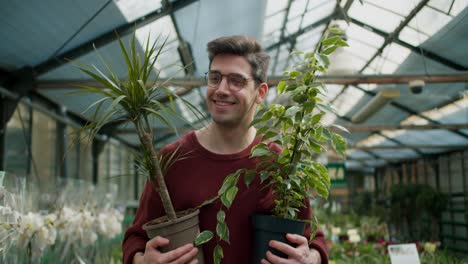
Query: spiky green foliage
{"x": 140, "y": 99}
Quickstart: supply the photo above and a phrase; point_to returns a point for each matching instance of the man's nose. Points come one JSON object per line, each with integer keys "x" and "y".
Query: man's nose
{"x": 224, "y": 84}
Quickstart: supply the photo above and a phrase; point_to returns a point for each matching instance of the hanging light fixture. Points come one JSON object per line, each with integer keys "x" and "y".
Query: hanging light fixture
{"x": 375, "y": 104}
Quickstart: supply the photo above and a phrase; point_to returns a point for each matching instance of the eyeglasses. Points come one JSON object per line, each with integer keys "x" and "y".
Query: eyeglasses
{"x": 236, "y": 81}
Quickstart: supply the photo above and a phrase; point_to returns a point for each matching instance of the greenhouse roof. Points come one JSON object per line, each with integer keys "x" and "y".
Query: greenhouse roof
{"x": 391, "y": 43}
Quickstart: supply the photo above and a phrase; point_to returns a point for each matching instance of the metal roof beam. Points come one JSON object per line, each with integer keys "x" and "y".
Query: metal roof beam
{"x": 109, "y": 37}
{"x": 273, "y": 81}
{"x": 412, "y": 147}
{"x": 371, "y": 128}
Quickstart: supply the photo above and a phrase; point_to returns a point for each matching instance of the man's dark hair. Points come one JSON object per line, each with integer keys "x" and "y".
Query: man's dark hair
{"x": 245, "y": 46}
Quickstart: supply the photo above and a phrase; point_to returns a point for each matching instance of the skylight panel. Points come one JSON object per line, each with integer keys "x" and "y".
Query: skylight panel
{"x": 134, "y": 9}
{"x": 273, "y": 23}
{"x": 383, "y": 65}
{"x": 412, "y": 36}
{"x": 400, "y": 7}
{"x": 343, "y": 104}
{"x": 318, "y": 12}
{"x": 360, "y": 48}
{"x": 297, "y": 8}
{"x": 429, "y": 21}
{"x": 293, "y": 25}
{"x": 450, "y": 7}
{"x": 373, "y": 15}
{"x": 274, "y": 6}
{"x": 364, "y": 35}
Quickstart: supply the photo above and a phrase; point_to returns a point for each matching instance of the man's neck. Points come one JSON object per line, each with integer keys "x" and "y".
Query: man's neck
{"x": 225, "y": 140}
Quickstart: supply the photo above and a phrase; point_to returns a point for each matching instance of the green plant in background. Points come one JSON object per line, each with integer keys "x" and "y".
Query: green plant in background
{"x": 410, "y": 202}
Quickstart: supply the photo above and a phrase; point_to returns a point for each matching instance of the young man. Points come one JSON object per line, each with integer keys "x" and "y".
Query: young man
{"x": 236, "y": 84}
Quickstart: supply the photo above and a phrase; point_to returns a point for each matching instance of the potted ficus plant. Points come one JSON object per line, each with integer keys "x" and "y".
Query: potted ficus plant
{"x": 297, "y": 127}
{"x": 140, "y": 100}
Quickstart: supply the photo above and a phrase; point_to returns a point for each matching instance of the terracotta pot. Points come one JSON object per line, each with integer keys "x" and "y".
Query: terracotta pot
{"x": 183, "y": 231}
{"x": 266, "y": 228}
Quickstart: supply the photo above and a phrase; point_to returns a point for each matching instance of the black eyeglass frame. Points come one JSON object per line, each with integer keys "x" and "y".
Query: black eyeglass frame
{"x": 245, "y": 80}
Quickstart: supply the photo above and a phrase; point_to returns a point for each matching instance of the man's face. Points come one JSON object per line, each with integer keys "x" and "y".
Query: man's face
{"x": 233, "y": 107}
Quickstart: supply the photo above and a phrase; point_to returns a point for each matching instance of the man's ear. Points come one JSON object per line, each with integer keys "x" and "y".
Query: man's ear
{"x": 262, "y": 92}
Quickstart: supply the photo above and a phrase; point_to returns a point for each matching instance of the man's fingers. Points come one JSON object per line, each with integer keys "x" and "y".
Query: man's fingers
{"x": 297, "y": 239}
{"x": 186, "y": 257}
{"x": 157, "y": 242}
{"x": 176, "y": 253}
{"x": 272, "y": 258}
{"x": 194, "y": 261}
{"x": 264, "y": 261}
{"x": 283, "y": 247}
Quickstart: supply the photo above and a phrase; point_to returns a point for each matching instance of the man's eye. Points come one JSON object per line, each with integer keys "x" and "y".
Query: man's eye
{"x": 214, "y": 77}
{"x": 237, "y": 80}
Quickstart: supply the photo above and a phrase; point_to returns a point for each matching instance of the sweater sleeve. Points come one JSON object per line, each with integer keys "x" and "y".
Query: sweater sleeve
{"x": 135, "y": 237}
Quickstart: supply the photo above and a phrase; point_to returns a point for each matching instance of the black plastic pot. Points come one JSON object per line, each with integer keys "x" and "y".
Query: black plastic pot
{"x": 266, "y": 228}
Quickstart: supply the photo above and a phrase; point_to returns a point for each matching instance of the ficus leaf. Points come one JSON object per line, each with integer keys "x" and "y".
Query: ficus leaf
{"x": 202, "y": 238}
{"x": 339, "y": 144}
{"x": 218, "y": 254}
{"x": 222, "y": 231}
{"x": 228, "y": 197}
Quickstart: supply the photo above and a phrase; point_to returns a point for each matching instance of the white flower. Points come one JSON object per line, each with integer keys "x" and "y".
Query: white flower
{"x": 336, "y": 230}
{"x": 352, "y": 232}
{"x": 88, "y": 238}
{"x": 29, "y": 224}
{"x": 354, "y": 238}
{"x": 109, "y": 223}
{"x": 45, "y": 237}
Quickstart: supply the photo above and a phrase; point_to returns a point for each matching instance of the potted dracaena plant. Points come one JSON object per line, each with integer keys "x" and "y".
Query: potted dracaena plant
{"x": 297, "y": 127}
{"x": 140, "y": 99}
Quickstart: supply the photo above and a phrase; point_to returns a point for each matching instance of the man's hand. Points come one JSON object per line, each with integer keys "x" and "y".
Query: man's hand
{"x": 181, "y": 255}
{"x": 301, "y": 254}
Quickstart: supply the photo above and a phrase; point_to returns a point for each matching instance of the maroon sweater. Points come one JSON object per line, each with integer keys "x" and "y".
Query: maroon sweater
{"x": 197, "y": 178}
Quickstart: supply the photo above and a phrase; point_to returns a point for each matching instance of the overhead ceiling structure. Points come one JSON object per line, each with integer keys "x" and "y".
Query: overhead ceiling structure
{"x": 391, "y": 43}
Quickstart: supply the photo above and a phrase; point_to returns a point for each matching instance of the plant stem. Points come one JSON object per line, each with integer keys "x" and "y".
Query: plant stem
{"x": 156, "y": 173}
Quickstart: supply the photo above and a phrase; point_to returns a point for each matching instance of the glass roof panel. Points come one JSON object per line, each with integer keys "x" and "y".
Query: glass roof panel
{"x": 429, "y": 21}
{"x": 451, "y": 7}
{"x": 343, "y": 104}
{"x": 317, "y": 12}
{"x": 373, "y": 15}
{"x": 307, "y": 41}
{"x": 273, "y": 23}
{"x": 364, "y": 35}
{"x": 383, "y": 65}
{"x": 442, "y": 5}
{"x": 400, "y": 7}
{"x": 361, "y": 48}
{"x": 293, "y": 25}
{"x": 297, "y": 8}
{"x": 413, "y": 36}
{"x": 134, "y": 9}
{"x": 396, "y": 53}
{"x": 274, "y": 6}
{"x": 458, "y": 6}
